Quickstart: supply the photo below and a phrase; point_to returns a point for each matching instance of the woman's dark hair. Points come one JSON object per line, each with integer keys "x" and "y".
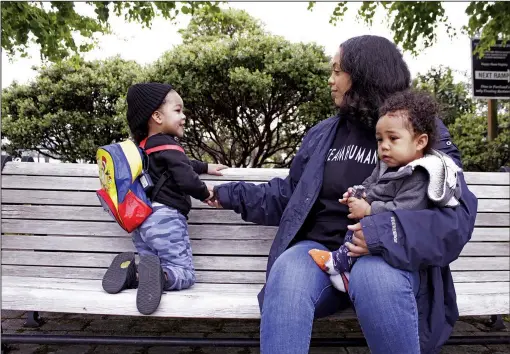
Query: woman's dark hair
{"x": 377, "y": 70}
{"x": 421, "y": 111}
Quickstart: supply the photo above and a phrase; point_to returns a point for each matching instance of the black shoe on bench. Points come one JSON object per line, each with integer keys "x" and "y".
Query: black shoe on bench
{"x": 151, "y": 281}
{"x": 121, "y": 274}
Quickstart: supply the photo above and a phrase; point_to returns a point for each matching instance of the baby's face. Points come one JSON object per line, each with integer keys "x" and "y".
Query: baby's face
{"x": 173, "y": 118}
{"x": 397, "y": 143}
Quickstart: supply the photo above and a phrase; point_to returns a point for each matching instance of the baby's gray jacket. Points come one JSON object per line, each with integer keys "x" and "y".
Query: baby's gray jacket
{"x": 432, "y": 178}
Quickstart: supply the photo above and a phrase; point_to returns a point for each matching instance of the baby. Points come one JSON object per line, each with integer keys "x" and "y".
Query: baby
{"x": 409, "y": 174}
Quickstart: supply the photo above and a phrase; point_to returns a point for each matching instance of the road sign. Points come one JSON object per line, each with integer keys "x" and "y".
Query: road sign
{"x": 491, "y": 74}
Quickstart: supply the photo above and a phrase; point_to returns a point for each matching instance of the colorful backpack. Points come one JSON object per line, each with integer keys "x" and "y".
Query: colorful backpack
{"x": 125, "y": 181}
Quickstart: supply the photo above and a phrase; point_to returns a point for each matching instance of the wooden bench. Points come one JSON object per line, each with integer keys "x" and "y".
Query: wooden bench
{"x": 57, "y": 242}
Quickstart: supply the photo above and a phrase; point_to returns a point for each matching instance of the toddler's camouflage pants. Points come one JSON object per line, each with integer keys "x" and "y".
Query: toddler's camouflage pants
{"x": 165, "y": 234}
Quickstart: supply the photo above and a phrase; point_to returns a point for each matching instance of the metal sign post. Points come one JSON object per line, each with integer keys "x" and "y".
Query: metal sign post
{"x": 491, "y": 79}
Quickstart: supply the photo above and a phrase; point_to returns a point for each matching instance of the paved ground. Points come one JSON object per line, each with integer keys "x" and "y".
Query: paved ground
{"x": 58, "y": 323}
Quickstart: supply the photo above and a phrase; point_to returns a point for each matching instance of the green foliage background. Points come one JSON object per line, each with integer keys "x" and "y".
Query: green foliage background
{"x": 69, "y": 110}
{"x": 250, "y": 96}
{"x": 417, "y": 23}
{"x": 51, "y": 25}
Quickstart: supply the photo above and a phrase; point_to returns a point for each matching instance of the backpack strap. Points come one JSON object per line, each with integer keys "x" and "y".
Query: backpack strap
{"x": 164, "y": 147}
{"x": 160, "y": 147}
{"x": 165, "y": 175}
{"x": 158, "y": 185}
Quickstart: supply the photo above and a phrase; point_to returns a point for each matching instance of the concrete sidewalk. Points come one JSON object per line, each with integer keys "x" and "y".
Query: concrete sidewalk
{"x": 90, "y": 325}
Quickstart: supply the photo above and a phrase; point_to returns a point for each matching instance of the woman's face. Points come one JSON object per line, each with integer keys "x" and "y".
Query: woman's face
{"x": 339, "y": 81}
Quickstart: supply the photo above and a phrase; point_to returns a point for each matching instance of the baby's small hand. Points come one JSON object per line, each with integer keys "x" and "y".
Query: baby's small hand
{"x": 358, "y": 208}
{"x": 346, "y": 196}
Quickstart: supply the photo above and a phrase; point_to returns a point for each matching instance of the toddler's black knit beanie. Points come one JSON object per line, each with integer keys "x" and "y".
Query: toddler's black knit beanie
{"x": 142, "y": 100}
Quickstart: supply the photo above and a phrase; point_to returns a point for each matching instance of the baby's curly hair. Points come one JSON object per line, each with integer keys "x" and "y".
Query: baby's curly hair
{"x": 421, "y": 112}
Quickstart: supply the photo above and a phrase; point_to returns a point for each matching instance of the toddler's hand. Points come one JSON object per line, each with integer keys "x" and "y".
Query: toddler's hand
{"x": 214, "y": 169}
{"x": 211, "y": 195}
{"x": 212, "y": 201}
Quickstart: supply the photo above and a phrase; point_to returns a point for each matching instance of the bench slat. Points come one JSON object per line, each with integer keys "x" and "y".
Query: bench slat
{"x": 95, "y": 286}
{"x": 202, "y": 301}
{"x": 473, "y": 303}
{"x": 493, "y": 219}
{"x": 211, "y": 216}
{"x": 246, "y": 174}
{"x": 209, "y": 247}
{"x": 103, "y": 260}
{"x": 18, "y": 196}
{"x": 52, "y": 197}
{"x": 226, "y": 232}
{"x": 50, "y": 183}
{"x": 91, "y": 170}
{"x": 216, "y": 306}
{"x": 217, "y": 277}
{"x": 487, "y": 178}
{"x": 124, "y": 244}
{"x": 53, "y": 212}
{"x": 493, "y": 205}
{"x": 490, "y": 234}
{"x": 110, "y": 229}
{"x": 246, "y": 263}
{"x": 70, "y": 183}
{"x": 480, "y": 263}
{"x": 50, "y": 169}
{"x": 92, "y": 183}
{"x": 87, "y": 296}
{"x": 481, "y": 276}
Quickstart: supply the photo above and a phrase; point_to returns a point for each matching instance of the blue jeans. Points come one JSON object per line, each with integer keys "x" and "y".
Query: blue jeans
{"x": 297, "y": 291}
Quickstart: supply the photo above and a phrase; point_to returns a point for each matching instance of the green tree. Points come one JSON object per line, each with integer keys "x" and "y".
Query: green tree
{"x": 453, "y": 97}
{"x": 214, "y": 25}
{"x": 469, "y": 133}
{"x": 51, "y": 25}
{"x": 467, "y": 120}
{"x": 68, "y": 111}
{"x": 249, "y": 96}
{"x": 415, "y": 21}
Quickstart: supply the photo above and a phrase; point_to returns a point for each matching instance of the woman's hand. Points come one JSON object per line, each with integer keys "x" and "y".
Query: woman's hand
{"x": 358, "y": 247}
{"x": 214, "y": 169}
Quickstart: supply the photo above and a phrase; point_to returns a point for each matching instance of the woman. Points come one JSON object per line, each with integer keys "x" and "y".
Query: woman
{"x": 403, "y": 294}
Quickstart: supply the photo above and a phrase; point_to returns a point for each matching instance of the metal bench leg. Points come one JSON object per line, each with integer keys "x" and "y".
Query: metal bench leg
{"x": 5, "y": 347}
{"x": 33, "y": 320}
{"x": 496, "y": 323}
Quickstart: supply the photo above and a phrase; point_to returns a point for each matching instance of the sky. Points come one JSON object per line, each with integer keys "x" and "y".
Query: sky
{"x": 291, "y": 20}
